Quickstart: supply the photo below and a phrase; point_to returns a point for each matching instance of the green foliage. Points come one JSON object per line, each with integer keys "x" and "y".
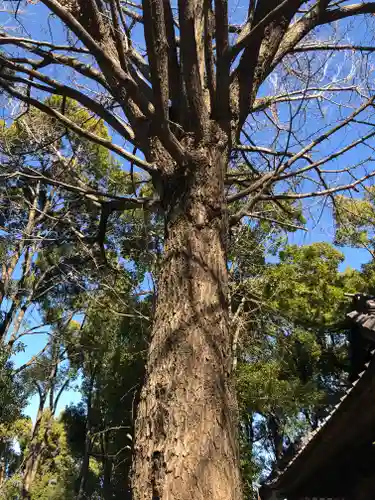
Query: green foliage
{"x": 355, "y": 220}
{"x": 56, "y": 471}
{"x": 307, "y": 286}
{"x": 12, "y": 487}
{"x": 112, "y": 364}
{"x": 293, "y": 346}
{"x": 292, "y": 350}
{"x": 12, "y": 391}
{"x": 54, "y": 479}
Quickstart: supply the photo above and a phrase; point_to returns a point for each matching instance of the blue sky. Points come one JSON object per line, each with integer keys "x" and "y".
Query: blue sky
{"x": 36, "y": 19}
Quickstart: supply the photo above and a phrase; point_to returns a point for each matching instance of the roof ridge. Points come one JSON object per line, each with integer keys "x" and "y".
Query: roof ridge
{"x": 324, "y": 422}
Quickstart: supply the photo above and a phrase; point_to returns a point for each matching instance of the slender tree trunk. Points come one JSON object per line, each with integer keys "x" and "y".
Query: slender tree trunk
{"x": 37, "y": 444}
{"x": 107, "y": 468}
{"x": 7, "y": 321}
{"x": 186, "y": 443}
{"x": 86, "y": 457}
{"x": 38, "y": 448}
{"x": 2, "y": 473}
{"x": 84, "y": 468}
{"x": 32, "y": 466}
{"x": 35, "y": 450}
{"x": 276, "y": 436}
{"x": 107, "y": 487}
{"x": 15, "y": 323}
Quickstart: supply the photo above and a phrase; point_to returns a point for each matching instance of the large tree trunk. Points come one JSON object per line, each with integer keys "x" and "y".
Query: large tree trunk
{"x": 186, "y": 443}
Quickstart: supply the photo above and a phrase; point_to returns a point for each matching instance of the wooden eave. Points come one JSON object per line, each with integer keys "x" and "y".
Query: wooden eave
{"x": 345, "y": 440}
{"x": 353, "y": 417}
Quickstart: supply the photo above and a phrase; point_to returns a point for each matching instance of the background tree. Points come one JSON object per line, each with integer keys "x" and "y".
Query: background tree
{"x": 293, "y": 361}
{"x": 51, "y": 265}
{"x": 112, "y": 363}
{"x": 108, "y": 348}
{"x": 50, "y": 378}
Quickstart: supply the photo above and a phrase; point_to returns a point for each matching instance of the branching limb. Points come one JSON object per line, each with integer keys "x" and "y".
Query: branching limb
{"x": 69, "y": 91}
{"x": 148, "y": 167}
{"x": 223, "y": 62}
{"x": 192, "y": 59}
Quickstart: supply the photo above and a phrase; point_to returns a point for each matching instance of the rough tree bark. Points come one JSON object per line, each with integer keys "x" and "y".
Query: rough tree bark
{"x": 186, "y": 428}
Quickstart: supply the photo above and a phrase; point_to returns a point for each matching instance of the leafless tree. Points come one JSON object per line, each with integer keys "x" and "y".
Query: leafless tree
{"x": 233, "y": 109}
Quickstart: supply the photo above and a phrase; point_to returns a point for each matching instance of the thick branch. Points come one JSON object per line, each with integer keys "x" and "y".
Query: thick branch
{"x": 345, "y": 11}
{"x": 176, "y": 93}
{"x": 111, "y": 65}
{"x": 68, "y": 91}
{"x": 148, "y": 167}
{"x": 223, "y": 62}
{"x": 259, "y": 46}
{"x": 156, "y": 42}
{"x": 314, "y": 18}
{"x": 247, "y": 36}
{"x": 192, "y": 58}
{"x": 115, "y": 203}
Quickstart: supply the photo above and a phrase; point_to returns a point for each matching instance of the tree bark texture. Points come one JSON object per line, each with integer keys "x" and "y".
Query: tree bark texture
{"x": 186, "y": 430}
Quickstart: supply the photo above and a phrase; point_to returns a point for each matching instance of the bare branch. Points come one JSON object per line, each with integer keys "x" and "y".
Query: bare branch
{"x": 324, "y": 192}
{"x": 332, "y": 47}
{"x": 116, "y": 203}
{"x": 156, "y": 41}
{"x": 267, "y": 151}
